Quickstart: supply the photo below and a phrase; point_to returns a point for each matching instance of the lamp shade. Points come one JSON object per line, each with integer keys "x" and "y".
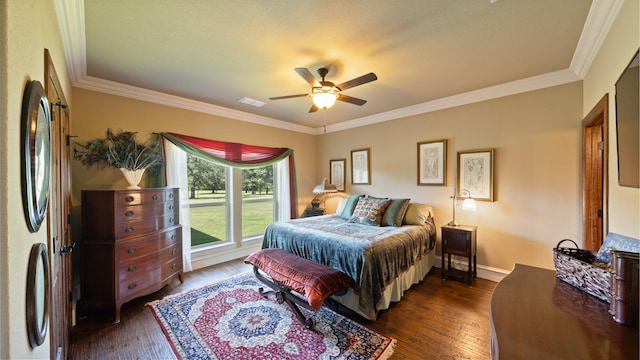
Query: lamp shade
{"x": 324, "y": 100}
{"x": 468, "y": 204}
{"x": 324, "y": 188}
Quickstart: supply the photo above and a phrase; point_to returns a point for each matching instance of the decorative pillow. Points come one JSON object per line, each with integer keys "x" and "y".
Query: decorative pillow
{"x": 417, "y": 214}
{"x": 340, "y": 206}
{"x": 394, "y": 213}
{"x": 369, "y": 211}
{"x": 616, "y": 242}
{"x": 352, "y": 201}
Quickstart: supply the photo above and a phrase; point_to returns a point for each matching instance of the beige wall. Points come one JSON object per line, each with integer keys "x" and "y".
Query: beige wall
{"x": 28, "y": 27}
{"x": 94, "y": 112}
{"x": 617, "y": 50}
{"x": 536, "y": 137}
{"x": 536, "y": 140}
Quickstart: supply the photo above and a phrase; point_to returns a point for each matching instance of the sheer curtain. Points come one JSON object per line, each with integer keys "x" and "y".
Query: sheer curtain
{"x": 176, "y": 174}
{"x": 177, "y": 146}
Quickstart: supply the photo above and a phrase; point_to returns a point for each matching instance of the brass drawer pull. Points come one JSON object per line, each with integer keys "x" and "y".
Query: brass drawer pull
{"x": 171, "y": 207}
{"x": 174, "y": 251}
{"x": 171, "y": 220}
{"x": 170, "y": 195}
{"x": 173, "y": 236}
{"x": 155, "y": 197}
{"x": 132, "y": 249}
{"x": 173, "y": 267}
{"x": 132, "y": 267}
{"x": 128, "y": 229}
{"x": 132, "y": 285}
{"x": 129, "y": 198}
{"x": 128, "y": 213}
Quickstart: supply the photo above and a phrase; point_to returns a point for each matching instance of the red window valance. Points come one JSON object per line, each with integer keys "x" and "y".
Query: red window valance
{"x": 237, "y": 155}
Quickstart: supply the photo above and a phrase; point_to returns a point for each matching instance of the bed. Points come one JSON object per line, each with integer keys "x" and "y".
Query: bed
{"x": 384, "y": 258}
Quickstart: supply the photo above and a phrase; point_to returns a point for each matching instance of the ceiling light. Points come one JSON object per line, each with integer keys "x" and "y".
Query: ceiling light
{"x": 325, "y": 96}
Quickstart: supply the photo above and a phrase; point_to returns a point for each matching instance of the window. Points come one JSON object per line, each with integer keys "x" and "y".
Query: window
{"x": 221, "y": 225}
{"x": 207, "y": 201}
{"x": 257, "y": 200}
{"x": 210, "y": 201}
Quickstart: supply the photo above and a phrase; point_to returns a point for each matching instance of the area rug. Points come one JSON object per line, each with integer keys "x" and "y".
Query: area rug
{"x": 231, "y": 320}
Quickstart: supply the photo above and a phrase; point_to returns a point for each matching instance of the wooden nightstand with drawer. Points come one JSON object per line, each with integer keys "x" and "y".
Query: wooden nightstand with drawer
{"x": 459, "y": 240}
{"x": 313, "y": 212}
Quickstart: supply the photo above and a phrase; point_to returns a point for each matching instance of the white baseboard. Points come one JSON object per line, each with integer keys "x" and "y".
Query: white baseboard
{"x": 484, "y": 272}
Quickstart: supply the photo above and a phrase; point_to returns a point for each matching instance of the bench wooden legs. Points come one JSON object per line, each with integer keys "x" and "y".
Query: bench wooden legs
{"x": 283, "y": 294}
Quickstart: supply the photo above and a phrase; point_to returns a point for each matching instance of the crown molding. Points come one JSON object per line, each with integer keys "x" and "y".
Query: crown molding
{"x": 511, "y": 88}
{"x": 602, "y": 15}
{"x": 70, "y": 14}
{"x": 133, "y": 92}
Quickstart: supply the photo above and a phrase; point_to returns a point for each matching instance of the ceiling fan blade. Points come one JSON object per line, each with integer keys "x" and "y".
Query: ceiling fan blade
{"x": 358, "y": 81}
{"x": 313, "y": 108}
{"x": 307, "y": 76}
{"x": 287, "y": 96}
{"x": 351, "y": 100}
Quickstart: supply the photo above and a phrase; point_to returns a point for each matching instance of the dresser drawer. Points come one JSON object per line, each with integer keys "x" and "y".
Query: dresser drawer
{"x": 133, "y": 268}
{"x": 137, "y": 248}
{"x": 171, "y": 267}
{"x": 137, "y": 285}
{"x": 170, "y": 237}
{"x": 137, "y": 197}
{"x": 135, "y": 213}
{"x": 126, "y": 230}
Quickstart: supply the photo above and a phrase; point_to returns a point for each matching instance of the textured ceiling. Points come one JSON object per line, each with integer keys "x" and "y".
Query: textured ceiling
{"x": 217, "y": 52}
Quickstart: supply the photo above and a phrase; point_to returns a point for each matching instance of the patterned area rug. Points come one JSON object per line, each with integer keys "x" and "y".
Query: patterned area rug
{"x": 231, "y": 320}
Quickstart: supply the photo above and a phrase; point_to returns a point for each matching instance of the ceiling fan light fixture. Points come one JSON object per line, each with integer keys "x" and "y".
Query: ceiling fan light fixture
{"x": 324, "y": 97}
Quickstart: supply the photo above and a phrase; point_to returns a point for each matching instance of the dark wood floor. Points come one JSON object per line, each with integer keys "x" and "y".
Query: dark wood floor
{"x": 436, "y": 319}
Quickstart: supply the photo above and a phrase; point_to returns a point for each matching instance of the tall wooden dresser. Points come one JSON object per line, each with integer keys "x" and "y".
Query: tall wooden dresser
{"x": 132, "y": 244}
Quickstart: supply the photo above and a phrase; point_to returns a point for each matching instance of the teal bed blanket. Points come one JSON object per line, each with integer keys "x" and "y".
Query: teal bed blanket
{"x": 372, "y": 256}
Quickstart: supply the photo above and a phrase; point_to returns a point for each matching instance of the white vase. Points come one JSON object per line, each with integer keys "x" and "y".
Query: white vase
{"x": 133, "y": 177}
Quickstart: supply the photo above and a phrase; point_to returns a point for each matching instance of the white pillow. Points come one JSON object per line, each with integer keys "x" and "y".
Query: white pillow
{"x": 341, "y": 205}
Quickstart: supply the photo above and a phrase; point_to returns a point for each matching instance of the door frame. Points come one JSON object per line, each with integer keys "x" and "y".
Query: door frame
{"x": 59, "y": 212}
{"x": 598, "y": 117}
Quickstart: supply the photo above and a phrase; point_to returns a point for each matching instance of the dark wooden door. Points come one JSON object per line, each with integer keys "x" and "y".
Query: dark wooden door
{"x": 60, "y": 242}
{"x": 595, "y": 167}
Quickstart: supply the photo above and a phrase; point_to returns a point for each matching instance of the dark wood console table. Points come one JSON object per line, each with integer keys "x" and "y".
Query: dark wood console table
{"x": 535, "y": 316}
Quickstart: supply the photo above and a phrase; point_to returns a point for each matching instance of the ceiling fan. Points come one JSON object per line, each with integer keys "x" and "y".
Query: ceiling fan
{"x": 325, "y": 93}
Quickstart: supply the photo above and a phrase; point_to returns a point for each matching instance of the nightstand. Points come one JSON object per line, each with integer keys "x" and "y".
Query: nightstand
{"x": 313, "y": 212}
{"x": 461, "y": 241}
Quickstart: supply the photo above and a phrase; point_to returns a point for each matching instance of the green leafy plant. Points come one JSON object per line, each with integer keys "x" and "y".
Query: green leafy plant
{"x": 119, "y": 150}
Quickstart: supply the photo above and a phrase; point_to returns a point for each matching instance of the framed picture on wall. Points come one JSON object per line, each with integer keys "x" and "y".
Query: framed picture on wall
{"x": 337, "y": 173}
{"x": 360, "y": 167}
{"x": 432, "y": 162}
{"x": 475, "y": 173}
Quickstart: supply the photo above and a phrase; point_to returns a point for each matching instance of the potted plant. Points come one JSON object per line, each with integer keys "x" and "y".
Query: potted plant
{"x": 120, "y": 150}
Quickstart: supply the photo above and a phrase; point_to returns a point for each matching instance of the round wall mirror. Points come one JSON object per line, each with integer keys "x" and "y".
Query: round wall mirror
{"x": 37, "y": 295}
{"x": 36, "y": 154}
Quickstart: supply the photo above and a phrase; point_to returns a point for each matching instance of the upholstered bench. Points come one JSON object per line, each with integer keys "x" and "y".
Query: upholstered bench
{"x": 287, "y": 272}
